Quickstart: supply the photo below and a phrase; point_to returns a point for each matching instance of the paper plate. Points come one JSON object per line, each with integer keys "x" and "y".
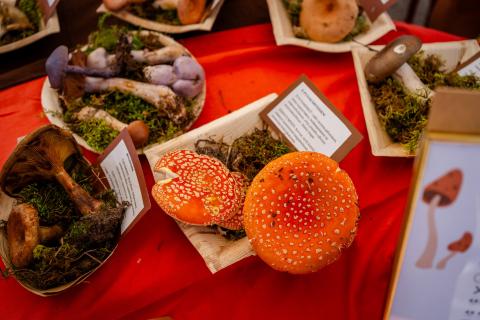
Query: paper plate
{"x": 52, "y": 26}
{"x": 283, "y": 31}
{"x": 452, "y": 53}
{"x": 206, "y": 24}
{"x": 53, "y": 110}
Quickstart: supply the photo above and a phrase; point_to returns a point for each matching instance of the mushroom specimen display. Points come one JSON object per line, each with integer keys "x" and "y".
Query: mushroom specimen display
{"x": 300, "y": 212}
{"x": 196, "y": 189}
{"x": 328, "y": 20}
{"x": 459, "y": 246}
{"x": 440, "y": 193}
{"x": 392, "y": 60}
{"x": 24, "y": 234}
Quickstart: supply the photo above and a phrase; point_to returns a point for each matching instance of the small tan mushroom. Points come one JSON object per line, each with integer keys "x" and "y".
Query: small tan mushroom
{"x": 459, "y": 246}
{"x": 440, "y": 193}
{"x": 115, "y": 5}
{"x": 190, "y": 11}
{"x": 328, "y": 20}
{"x": 24, "y": 234}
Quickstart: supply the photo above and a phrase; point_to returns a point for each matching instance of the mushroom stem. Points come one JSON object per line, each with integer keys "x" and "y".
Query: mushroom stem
{"x": 412, "y": 82}
{"x": 93, "y": 72}
{"x": 166, "y": 4}
{"x": 46, "y": 234}
{"x": 160, "y": 96}
{"x": 442, "y": 263}
{"x": 159, "y": 56}
{"x": 426, "y": 259}
{"x": 85, "y": 203}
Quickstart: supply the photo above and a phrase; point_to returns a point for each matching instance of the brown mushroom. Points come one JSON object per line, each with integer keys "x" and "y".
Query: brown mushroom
{"x": 301, "y": 212}
{"x": 440, "y": 193}
{"x": 24, "y": 234}
{"x": 42, "y": 156}
{"x": 459, "y": 246}
{"x": 328, "y": 20}
{"x": 115, "y": 5}
{"x": 392, "y": 60}
{"x": 190, "y": 11}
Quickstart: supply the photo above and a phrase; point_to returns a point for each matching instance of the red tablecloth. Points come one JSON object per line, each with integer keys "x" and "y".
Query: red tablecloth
{"x": 155, "y": 271}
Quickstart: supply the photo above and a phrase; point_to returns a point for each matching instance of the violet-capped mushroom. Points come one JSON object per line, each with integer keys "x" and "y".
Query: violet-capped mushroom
{"x": 57, "y": 67}
{"x": 188, "y": 69}
{"x": 188, "y": 88}
{"x": 100, "y": 59}
{"x": 160, "y": 74}
{"x": 392, "y": 60}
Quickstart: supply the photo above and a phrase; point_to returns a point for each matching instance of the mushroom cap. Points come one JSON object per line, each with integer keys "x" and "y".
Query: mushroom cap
{"x": 190, "y": 11}
{"x": 35, "y": 157}
{"x": 115, "y": 5}
{"x": 55, "y": 66}
{"x": 328, "y": 20}
{"x": 200, "y": 190}
{"x": 139, "y": 132}
{"x": 301, "y": 212}
{"x": 462, "y": 244}
{"x": 391, "y": 57}
{"x": 22, "y": 234}
{"x": 447, "y": 187}
{"x": 236, "y": 222}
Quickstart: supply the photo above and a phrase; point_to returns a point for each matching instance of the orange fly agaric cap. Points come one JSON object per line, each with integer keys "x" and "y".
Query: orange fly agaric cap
{"x": 300, "y": 212}
{"x": 196, "y": 189}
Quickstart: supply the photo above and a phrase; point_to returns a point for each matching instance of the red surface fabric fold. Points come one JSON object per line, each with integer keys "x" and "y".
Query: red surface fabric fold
{"x": 155, "y": 271}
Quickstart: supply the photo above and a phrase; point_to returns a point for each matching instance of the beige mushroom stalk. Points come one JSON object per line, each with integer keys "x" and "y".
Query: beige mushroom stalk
{"x": 160, "y": 96}
{"x": 138, "y": 130}
{"x": 392, "y": 60}
{"x": 163, "y": 55}
{"x": 440, "y": 193}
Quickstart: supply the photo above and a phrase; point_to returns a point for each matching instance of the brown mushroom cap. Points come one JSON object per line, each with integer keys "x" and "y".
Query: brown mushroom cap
{"x": 190, "y": 11}
{"x": 139, "y": 132}
{"x": 391, "y": 57}
{"x": 447, "y": 187}
{"x": 22, "y": 234}
{"x": 301, "y": 212}
{"x": 462, "y": 244}
{"x": 203, "y": 191}
{"x": 328, "y": 20}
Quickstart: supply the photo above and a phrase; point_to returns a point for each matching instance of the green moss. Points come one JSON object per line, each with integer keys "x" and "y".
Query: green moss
{"x": 361, "y": 26}
{"x": 147, "y": 11}
{"x": 403, "y": 115}
{"x": 96, "y": 132}
{"x": 32, "y": 11}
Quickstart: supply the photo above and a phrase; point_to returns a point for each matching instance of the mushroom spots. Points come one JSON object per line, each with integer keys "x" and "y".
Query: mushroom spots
{"x": 297, "y": 218}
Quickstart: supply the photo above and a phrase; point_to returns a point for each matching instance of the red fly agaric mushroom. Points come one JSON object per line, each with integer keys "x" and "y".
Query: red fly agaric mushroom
{"x": 301, "y": 212}
{"x": 328, "y": 20}
{"x": 138, "y": 130}
{"x": 24, "y": 234}
{"x": 459, "y": 246}
{"x": 440, "y": 193}
{"x": 196, "y": 189}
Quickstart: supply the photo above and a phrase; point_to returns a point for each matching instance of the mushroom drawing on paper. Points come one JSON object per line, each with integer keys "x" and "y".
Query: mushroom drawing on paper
{"x": 459, "y": 246}
{"x": 440, "y": 193}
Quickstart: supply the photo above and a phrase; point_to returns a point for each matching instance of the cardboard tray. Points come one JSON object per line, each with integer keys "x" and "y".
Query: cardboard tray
{"x": 52, "y": 26}
{"x": 216, "y": 251}
{"x": 453, "y": 53}
{"x": 282, "y": 29}
{"x": 206, "y": 24}
{"x": 52, "y": 109}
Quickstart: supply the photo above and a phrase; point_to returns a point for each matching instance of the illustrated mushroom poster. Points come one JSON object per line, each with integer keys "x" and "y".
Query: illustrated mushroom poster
{"x": 439, "y": 276}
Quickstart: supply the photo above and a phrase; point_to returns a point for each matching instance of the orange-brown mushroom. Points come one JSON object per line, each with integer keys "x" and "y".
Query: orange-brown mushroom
{"x": 190, "y": 11}
{"x": 24, "y": 234}
{"x": 459, "y": 246}
{"x": 196, "y": 189}
{"x": 300, "y": 212}
{"x": 115, "y": 5}
{"x": 440, "y": 193}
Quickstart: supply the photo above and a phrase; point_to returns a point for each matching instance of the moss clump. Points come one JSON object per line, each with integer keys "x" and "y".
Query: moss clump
{"x": 361, "y": 26}
{"x": 96, "y": 132}
{"x": 404, "y": 116}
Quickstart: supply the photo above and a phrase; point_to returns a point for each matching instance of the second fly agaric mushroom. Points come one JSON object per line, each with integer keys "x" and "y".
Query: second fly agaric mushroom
{"x": 301, "y": 212}
{"x": 440, "y": 193}
{"x": 138, "y": 130}
{"x": 196, "y": 189}
{"x": 236, "y": 222}
{"x": 57, "y": 67}
{"x": 392, "y": 60}
{"x": 459, "y": 246}
{"x": 328, "y": 20}
{"x": 24, "y": 234}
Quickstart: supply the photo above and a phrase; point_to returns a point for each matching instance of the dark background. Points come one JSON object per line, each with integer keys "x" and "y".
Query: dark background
{"x": 78, "y": 18}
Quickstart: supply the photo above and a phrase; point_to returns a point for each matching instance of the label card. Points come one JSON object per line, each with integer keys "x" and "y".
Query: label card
{"x": 122, "y": 168}
{"x": 471, "y": 66}
{"x": 48, "y": 8}
{"x": 374, "y": 8}
{"x": 305, "y": 118}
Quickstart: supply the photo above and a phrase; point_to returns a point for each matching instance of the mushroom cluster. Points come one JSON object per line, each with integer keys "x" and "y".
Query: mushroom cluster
{"x": 301, "y": 212}
{"x": 188, "y": 11}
